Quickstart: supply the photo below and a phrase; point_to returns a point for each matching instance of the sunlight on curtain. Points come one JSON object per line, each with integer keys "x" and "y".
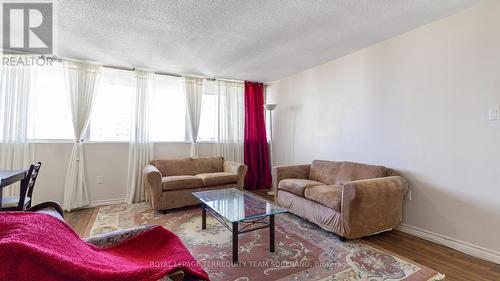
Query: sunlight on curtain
{"x": 16, "y": 89}
{"x": 193, "y": 91}
{"x": 82, "y": 80}
{"x": 230, "y": 120}
{"x": 140, "y": 147}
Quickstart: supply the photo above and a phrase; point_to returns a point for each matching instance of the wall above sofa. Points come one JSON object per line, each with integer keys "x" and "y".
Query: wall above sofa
{"x": 417, "y": 103}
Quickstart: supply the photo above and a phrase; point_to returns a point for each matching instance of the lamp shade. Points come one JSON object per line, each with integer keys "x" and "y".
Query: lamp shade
{"x": 270, "y": 106}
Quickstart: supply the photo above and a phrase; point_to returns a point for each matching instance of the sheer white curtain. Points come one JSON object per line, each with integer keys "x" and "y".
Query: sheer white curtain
{"x": 193, "y": 88}
{"x": 82, "y": 81}
{"x": 17, "y": 84}
{"x": 140, "y": 147}
{"x": 231, "y": 120}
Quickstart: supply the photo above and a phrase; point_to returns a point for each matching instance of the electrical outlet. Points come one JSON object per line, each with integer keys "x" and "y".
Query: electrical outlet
{"x": 494, "y": 113}
{"x": 408, "y": 195}
{"x": 100, "y": 180}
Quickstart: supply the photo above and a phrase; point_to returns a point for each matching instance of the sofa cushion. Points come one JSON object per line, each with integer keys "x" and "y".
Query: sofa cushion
{"x": 350, "y": 171}
{"x": 176, "y": 167}
{"x": 328, "y": 195}
{"x": 213, "y": 179}
{"x": 324, "y": 171}
{"x": 212, "y": 164}
{"x": 181, "y": 182}
{"x": 297, "y": 186}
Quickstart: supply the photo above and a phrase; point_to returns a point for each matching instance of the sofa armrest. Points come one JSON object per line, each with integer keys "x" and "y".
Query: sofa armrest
{"x": 50, "y": 207}
{"x": 110, "y": 239}
{"x": 280, "y": 173}
{"x": 152, "y": 184}
{"x": 372, "y": 205}
{"x": 238, "y": 169}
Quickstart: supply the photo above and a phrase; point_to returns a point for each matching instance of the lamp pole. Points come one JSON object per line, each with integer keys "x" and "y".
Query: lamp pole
{"x": 270, "y": 107}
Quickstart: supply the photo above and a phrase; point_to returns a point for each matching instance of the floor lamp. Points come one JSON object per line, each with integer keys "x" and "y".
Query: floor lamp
{"x": 270, "y": 107}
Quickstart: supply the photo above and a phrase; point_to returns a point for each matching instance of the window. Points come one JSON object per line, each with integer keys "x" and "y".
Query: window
{"x": 168, "y": 110}
{"x": 206, "y": 132}
{"x": 50, "y": 113}
{"x": 110, "y": 120}
{"x": 208, "y": 118}
{"x": 111, "y": 115}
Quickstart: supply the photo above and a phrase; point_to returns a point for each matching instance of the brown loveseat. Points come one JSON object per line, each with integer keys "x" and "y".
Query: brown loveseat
{"x": 350, "y": 199}
{"x": 170, "y": 183}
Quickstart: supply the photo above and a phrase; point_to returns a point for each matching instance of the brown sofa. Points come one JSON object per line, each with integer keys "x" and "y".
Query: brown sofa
{"x": 350, "y": 199}
{"x": 169, "y": 183}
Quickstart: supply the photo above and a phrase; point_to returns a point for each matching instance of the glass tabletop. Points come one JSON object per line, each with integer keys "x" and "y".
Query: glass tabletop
{"x": 235, "y": 205}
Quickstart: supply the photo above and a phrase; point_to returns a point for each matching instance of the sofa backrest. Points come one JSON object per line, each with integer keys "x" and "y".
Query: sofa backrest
{"x": 189, "y": 166}
{"x": 332, "y": 172}
{"x": 324, "y": 171}
{"x": 351, "y": 171}
{"x": 212, "y": 164}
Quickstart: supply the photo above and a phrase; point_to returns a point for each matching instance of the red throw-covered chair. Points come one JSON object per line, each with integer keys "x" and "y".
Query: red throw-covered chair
{"x": 108, "y": 239}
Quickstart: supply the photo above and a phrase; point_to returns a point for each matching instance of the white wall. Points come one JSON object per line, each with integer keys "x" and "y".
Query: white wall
{"x": 417, "y": 103}
{"x": 109, "y": 160}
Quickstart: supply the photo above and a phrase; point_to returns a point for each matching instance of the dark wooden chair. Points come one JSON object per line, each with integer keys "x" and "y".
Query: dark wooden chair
{"x": 23, "y": 201}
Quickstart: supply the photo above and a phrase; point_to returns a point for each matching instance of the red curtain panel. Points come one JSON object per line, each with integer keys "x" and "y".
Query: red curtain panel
{"x": 256, "y": 152}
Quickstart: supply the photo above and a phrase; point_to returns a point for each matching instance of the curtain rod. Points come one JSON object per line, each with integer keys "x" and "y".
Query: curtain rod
{"x": 59, "y": 59}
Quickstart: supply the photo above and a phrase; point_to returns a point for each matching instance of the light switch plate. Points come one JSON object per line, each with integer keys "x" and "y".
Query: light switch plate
{"x": 100, "y": 180}
{"x": 494, "y": 113}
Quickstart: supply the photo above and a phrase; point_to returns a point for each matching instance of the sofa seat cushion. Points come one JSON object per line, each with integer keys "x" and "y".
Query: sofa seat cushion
{"x": 181, "y": 182}
{"x": 297, "y": 186}
{"x": 328, "y": 195}
{"x": 213, "y": 179}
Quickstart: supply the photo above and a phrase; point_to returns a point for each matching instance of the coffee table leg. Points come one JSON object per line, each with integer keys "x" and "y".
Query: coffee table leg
{"x": 235, "y": 242}
{"x": 271, "y": 233}
{"x": 204, "y": 217}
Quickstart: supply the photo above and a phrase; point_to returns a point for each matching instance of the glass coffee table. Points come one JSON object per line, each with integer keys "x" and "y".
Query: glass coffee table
{"x": 234, "y": 208}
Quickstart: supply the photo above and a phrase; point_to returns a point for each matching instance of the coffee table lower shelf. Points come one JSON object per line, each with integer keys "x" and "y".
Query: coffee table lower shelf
{"x": 248, "y": 226}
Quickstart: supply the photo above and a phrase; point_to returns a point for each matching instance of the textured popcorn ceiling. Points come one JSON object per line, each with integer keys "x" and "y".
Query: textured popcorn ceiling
{"x": 260, "y": 40}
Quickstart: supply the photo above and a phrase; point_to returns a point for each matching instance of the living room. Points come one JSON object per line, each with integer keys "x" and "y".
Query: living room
{"x": 250, "y": 140}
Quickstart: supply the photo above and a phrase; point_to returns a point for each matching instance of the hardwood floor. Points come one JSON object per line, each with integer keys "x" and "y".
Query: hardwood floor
{"x": 455, "y": 265}
{"x": 81, "y": 220}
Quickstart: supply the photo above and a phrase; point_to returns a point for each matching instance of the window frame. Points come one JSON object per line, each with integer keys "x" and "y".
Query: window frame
{"x": 88, "y": 140}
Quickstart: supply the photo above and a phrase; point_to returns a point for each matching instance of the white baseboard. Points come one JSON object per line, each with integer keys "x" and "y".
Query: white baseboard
{"x": 464, "y": 247}
{"x": 106, "y": 202}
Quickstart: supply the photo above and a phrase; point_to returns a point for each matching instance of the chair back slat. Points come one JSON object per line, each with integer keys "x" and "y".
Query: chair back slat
{"x": 27, "y": 185}
{"x": 34, "y": 169}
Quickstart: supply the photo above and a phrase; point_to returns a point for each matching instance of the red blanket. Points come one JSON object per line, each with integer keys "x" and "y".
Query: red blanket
{"x": 36, "y": 246}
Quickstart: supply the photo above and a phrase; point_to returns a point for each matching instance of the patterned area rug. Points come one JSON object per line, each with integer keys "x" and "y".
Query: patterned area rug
{"x": 303, "y": 250}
